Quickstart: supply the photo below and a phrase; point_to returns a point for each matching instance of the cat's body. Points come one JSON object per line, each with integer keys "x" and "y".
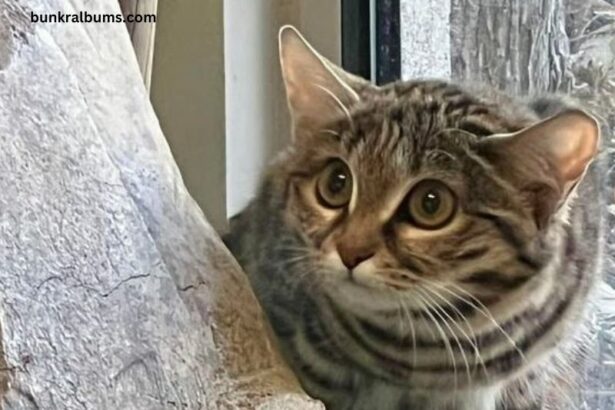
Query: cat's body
{"x": 506, "y": 278}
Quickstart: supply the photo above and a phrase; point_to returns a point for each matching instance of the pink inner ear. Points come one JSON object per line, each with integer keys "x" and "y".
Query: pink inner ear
{"x": 569, "y": 141}
{"x": 545, "y": 161}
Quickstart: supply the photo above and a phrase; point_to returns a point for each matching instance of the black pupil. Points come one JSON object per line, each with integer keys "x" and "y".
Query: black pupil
{"x": 431, "y": 203}
{"x": 337, "y": 181}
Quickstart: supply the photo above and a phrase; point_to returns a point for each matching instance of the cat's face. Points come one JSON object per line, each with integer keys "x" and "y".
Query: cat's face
{"x": 391, "y": 201}
{"x": 402, "y": 189}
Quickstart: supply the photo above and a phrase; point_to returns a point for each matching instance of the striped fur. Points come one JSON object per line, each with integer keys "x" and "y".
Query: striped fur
{"x": 488, "y": 313}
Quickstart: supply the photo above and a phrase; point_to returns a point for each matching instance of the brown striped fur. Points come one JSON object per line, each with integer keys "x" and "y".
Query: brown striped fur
{"x": 483, "y": 314}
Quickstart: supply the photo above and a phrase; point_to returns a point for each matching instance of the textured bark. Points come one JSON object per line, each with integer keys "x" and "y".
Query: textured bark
{"x": 115, "y": 293}
{"x": 520, "y": 46}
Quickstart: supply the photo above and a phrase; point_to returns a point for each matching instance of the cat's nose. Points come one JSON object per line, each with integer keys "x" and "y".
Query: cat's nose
{"x": 352, "y": 256}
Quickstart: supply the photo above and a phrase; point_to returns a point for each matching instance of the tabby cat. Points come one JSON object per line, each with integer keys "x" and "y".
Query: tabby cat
{"x": 423, "y": 245}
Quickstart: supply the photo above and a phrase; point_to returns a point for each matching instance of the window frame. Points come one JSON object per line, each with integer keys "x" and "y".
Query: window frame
{"x": 371, "y": 42}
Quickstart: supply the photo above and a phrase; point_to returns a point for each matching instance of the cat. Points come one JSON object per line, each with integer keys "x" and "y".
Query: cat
{"x": 425, "y": 245}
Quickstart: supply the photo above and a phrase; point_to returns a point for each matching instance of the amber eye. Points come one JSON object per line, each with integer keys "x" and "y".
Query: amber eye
{"x": 334, "y": 185}
{"x": 431, "y": 205}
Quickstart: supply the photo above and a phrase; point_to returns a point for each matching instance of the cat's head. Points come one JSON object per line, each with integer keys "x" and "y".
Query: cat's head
{"x": 420, "y": 184}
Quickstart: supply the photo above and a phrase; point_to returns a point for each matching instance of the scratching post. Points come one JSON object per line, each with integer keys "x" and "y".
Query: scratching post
{"x": 115, "y": 293}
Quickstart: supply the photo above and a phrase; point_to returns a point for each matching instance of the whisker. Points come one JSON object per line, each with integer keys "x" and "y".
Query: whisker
{"x": 330, "y": 132}
{"x": 412, "y": 330}
{"x": 444, "y": 319}
{"x": 442, "y": 334}
{"x": 482, "y": 309}
{"x": 473, "y": 341}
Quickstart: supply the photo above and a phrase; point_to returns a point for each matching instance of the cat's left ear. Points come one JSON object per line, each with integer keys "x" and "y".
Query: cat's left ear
{"x": 317, "y": 93}
{"x": 547, "y": 160}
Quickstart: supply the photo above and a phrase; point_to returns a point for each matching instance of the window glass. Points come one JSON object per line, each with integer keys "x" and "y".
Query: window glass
{"x": 532, "y": 47}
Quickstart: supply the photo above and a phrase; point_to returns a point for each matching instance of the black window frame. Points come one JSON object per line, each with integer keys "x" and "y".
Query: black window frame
{"x": 371, "y": 39}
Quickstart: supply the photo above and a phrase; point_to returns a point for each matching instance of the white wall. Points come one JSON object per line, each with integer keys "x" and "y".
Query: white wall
{"x": 188, "y": 95}
{"x": 217, "y": 89}
{"x": 257, "y": 123}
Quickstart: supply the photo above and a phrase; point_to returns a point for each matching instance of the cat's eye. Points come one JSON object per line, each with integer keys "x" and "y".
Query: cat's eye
{"x": 334, "y": 185}
{"x": 431, "y": 205}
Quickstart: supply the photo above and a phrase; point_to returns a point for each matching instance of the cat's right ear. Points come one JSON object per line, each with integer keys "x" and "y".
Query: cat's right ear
{"x": 548, "y": 159}
{"x": 317, "y": 94}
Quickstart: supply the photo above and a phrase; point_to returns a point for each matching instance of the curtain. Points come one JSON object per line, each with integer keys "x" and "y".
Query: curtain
{"x": 142, "y": 34}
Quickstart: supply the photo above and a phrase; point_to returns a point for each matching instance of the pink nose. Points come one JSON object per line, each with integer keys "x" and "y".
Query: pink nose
{"x": 353, "y": 256}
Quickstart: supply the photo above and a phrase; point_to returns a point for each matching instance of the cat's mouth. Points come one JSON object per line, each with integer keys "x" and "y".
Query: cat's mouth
{"x": 383, "y": 278}
{"x": 374, "y": 290}
{"x": 369, "y": 298}
{"x": 370, "y": 287}
{"x": 369, "y": 274}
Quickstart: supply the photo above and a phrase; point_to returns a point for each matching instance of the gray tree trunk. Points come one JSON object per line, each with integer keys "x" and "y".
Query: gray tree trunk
{"x": 115, "y": 293}
{"x": 530, "y": 47}
{"x": 520, "y": 46}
